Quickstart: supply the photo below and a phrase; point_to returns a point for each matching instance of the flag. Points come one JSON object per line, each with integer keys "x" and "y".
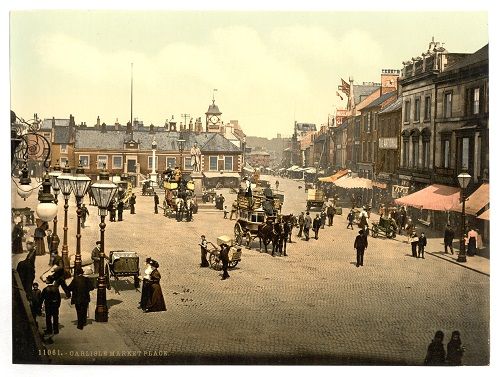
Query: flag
{"x": 345, "y": 87}
{"x": 340, "y": 96}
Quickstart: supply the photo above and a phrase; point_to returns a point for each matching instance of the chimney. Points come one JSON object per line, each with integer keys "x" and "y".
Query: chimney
{"x": 129, "y": 128}
{"x": 388, "y": 80}
{"x": 191, "y": 125}
{"x": 103, "y": 128}
{"x": 198, "y": 125}
{"x": 53, "y": 122}
{"x": 71, "y": 120}
{"x": 98, "y": 122}
{"x": 151, "y": 128}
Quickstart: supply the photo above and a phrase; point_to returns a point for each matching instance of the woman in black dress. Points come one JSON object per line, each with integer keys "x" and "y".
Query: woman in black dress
{"x": 454, "y": 349}
{"x": 156, "y": 303}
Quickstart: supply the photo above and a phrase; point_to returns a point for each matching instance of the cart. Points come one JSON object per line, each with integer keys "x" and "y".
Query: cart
{"x": 386, "y": 227}
{"x": 315, "y": 198}
{"x": 124, "y": 263}
{"x": 214, "y": 251}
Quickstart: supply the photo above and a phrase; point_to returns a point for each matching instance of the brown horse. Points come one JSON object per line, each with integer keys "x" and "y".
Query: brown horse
{"x": 265, "y": 233}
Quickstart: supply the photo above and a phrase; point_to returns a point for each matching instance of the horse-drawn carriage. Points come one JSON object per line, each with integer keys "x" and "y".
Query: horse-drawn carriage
{"x": 315, "y": 198}
{"x": 147, "y": 188}
{"x": 214, "y": 251}
{"x": 179, "y": 199}
{"x": 385, "y": 226}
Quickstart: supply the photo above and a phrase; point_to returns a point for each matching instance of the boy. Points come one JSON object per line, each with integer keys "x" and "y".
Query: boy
{"x": 422, "y": 243}
{"x": 225, "y": 212}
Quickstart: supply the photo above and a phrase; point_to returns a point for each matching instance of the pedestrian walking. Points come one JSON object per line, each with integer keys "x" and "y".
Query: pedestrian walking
{"x": 58, "y": 274}
{"x": 224, "y": 257}
{"x": 156, "y": 302}
{"x": 51, "y": 298}
{"x": 471, "y": 242}
{"x": 449, "y": 235}
{"x": 156, "y": 201}
{"x": 204, "y": 250}
{"x": 234, "y": 210}
{"x": 316, "y": 225}
{"x": 221, "y": 202}
{"x": 330, "y": 212}
{"x": 454, "y": 349}
{"x": 131, "y": 202}
{"x": 360, "y": 244}
{"x": 119, "y": 208}
{"x": 307, "y": 225}
{"x": 323, "y": 218}
{"x": 146, "y": 285}
{"x": 414, "y": 244}
{"x": 80, "y": 288}
{"x": 111, "y": 210}
{"x": 435, "y": 351}
{"x": 36, "y": 301}
{"x": 225, "y": 212}
{"x": 350, "y": 219}
{"x": 301, "y": 224}
{"x": 17, "y": 238}
{"x": 50, "y": 237}
{"x": 277, "y": 184}
{"x": 85, "y": 213}
{"x": 422, "y": 243}
{"x": 39, "y": 235}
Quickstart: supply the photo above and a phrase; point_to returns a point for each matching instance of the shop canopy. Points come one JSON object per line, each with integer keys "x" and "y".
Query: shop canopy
{"x": 353, "y": 183}
{"x": 434, "y": 197}
{"x": 476, "y": 201}
{"x": 335, "y": 176}
{"x": 310, "y": 170}
{"x": 294, "y": 168}
{"x": 485, "y": 215}
{"x": 216, "y": 174}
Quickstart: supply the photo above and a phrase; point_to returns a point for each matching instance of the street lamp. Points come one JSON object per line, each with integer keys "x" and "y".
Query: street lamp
{"x": 64, "y": 184}
{"x": 24, "y": 189}
{"x": 46, "y": 210}
{"x": 463, "y": 180}
{"x": 103, "y": 191}
{"x": 180, "y": 144}
{"x": 79, "y": 185}
{"x": 56, "y": 172}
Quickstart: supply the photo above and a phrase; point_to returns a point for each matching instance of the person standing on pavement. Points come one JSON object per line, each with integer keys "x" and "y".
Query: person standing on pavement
{"x": 131, "y": 201}
{"x": 316, "y": 225}
{"x": 39, "y": 235}
{"x": 224, "y": 257}
{"x": 435, "y": 351}
{"x": 414, "y": 244}
{"x": 52, "y": 299}
{"x": 307, "y": 225}
{"x": 111, "y": 210}
{"x": 119, "y": 209}
{"x": 50, "y": 237}
{"x": 221, "y": 202}
{"x": 422, "y": 243}
{"x": 80, "y": 288}
{"x": 472, "y": 237}
{"x": 17, "y": 238}
{"x": 146, "y": 284}
{"x": 36, "y": 301}
{"x": 301, "y": 224}
{"x": 234, "y": 210}
{"x": 26, "y": 268}
{"x": 330, "y": 212}
{"x": 156, "y": 201}
{"x": 323, "y": 218}
{"x": 360, "y": 244}
{"x": 454, "y": 349}
{"x": 85, "y": 213}
{"x": 350, "y": 219}
{"x": 449, "y": 235}
{"x": 156, "y": 302}
{"x": 204, "y": 250}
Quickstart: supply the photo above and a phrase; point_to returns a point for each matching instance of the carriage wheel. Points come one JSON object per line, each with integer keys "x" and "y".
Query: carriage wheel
{"x": 233, "y": 264}
{"x": 137, "y": 283}
{"x": 215, "y": 262}
{"x": 238, "y": 234}
{"x": 374, "y": 231}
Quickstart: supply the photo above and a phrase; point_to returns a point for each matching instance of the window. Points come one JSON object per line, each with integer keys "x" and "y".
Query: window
{"x": 368, "y": 122}
{"x": 64, "y": 148}
{"x": 465, "y": 153}
{"x": 187, "y": 163}
{"x": 416, "y": 113}
{"x": 84, "y": 160}
{"x": 427, "y": 109}
{"x": 475, "y": 107}
{"x": 150, "y": 162}
{"x": 102, "y": 161}
{"x": 427, "y": 154}
{"x": 446, "y": 153}
{"x": 228, "y": 163}
{"x": 447, "y": 105}
{"x": 63, "y": 161}
{"x": 415, "y": 151}
{"x": 117, "y": 162}
{"x": 357, "y": 130}
{"x": 171, "y": 162}
{"x": 213, "y": 163}
{"x": 407, "y": 111}
{"x": 406, "y": 152}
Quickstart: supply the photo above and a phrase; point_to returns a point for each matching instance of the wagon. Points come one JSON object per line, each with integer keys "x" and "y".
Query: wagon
{"x": 315, "y": 198}
{"x": 386, "y": 227}
{"x": 179, "y": 200}
{"x": 247, "y": 228}
{"x": 124, "y": 263}
{"x": 214, "y": 251}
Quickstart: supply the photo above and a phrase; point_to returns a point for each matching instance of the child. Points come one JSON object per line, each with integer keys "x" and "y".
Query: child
{"x": 422, "y": 243}
{"x": 36, "y": 305}
{"x": 225, "y": 212}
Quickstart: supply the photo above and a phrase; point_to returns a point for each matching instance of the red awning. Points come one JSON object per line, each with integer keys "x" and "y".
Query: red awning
{"x": 354, "y": 182}
{"x": 334, "y": 177}
{"x": 485, "y": 215}
{"x": 434, "y": 197}
{"x": 476, "y": 201}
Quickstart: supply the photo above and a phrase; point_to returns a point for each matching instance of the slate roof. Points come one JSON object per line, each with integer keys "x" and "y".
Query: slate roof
{"x": 396, "y": 105}
{"x": 62, "y": 134}
{"x": 47, "y": 123}
{"x": 363, "y": 91}
{"x": 380, "y": 100}
{"x": 479, "y": 56}
{"x": 90, "y": 138}
{"x": 213, "y": 109}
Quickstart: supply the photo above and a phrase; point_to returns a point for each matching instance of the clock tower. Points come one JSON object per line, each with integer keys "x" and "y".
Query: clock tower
{"x": 213, "y": 118}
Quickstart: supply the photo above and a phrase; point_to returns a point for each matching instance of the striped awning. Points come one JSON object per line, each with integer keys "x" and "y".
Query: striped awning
{"x": 433, "y": 197}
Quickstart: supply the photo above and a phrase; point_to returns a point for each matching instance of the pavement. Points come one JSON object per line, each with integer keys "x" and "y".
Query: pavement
{"x": 312, "y": 307}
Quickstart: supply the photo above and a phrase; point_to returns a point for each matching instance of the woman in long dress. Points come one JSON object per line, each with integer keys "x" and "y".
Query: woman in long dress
{"x": 156, "y": 303}
{"x": 146, "y": 285}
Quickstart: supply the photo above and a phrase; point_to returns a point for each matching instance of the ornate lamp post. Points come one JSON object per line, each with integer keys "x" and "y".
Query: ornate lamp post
{"x": 56, "y": 172}
{"x": 46, "y": 210}
{"x": 463, "y": 180}
{"x": 24, "y": 189}
{"x": 180, "y": 144}
{"x": 64, "y": 184}
{"x": 79, "y": 184}
{"x": 103, "y": 190}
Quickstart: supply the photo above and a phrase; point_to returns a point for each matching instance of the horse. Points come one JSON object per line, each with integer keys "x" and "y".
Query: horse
{"x": 277, "y": 237}
{"x": 291, "y": 221}
{"x": 188, "y": 206}
{"x": 179, "y": 205}
{"x": 265, "y": 233}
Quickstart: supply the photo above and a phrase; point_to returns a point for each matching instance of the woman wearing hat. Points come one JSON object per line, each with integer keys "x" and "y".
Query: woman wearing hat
{"x": 156, "y": 303}
{"x": 146, "y": 284}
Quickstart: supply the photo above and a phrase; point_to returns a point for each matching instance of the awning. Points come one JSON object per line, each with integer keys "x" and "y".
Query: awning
{"x": 310, "y": 170}
{"x": 476, "y": 201}
{"x": 485, "y": 215}
{"x": 335, "y": 176}
{"x": 434, "y": 197}
{"x": 353, "y": 182}
{"x": 293, "y": 168}
{"x": 216, "y": 174}
{"x": 380, "y": 185}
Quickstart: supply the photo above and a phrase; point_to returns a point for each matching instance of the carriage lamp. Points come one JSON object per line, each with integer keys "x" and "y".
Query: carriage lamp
{"x": 46, "y": 210}
{"x": 463, "y": 181}
{"x": 24, "y": 189}
{"x": 79, "y": 185}
{"x": 65, "y": 186}
{"x": 103, "y": 191}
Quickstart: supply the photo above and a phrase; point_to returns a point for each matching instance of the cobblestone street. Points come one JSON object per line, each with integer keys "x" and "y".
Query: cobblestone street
{"x": 313, "y": 306}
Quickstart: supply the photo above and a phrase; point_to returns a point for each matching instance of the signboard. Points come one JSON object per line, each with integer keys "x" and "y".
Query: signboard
{"x": 399, "y": 191}
{"x": 388, "y": 143}
{"x": 340, "y": 116}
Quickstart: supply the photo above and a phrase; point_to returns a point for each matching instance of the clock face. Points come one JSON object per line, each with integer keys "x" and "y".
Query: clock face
{"x": 214, "y": 119}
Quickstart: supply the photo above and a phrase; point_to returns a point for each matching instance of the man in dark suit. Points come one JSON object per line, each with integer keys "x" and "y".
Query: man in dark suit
{"x": 131, "y": 201}
{"x": 52, "y": 299}
{"x": 360, "y": 244}
{"x": 449, "y": 235}
{"x": 224, "y": 256}
{"x": 80, "y": 287}
{"x": 316, "y": 225}
{"x": 307, "y": 225}
{"x": 157, "y": 201}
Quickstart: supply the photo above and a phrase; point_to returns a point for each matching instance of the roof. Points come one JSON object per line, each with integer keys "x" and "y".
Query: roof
{"x": 380, "y": 100}
{"x": 91, "y": 138}
{"x": 47, "y": 123}
{"x": 62, "y": 135}
{"x": 259, "y": 153}
{"x": 335, "y": 176}
{"x": 353, "y": 182}
{"x": 476, "y": 201}
{"x": 363, "y": 91}
{"x": 396, "y": 105}
{"x": 434, "y": 197}
{"x": 479, "y": 56}
{"x": 213, "y": 109}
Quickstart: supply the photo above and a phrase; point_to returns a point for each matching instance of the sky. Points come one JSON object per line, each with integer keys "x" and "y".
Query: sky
{"x": 270, "y": 68}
